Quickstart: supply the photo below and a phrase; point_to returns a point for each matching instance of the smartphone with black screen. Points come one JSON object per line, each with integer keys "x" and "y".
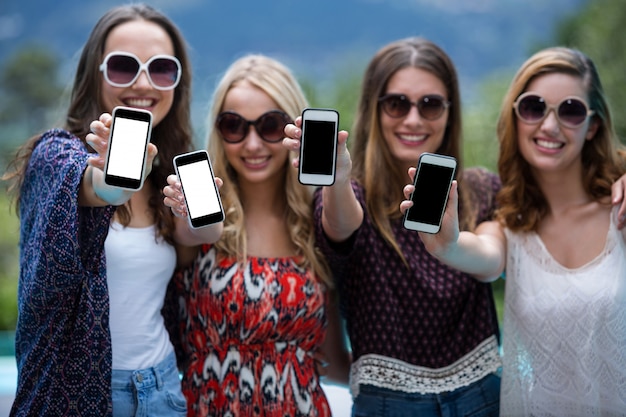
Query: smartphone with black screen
{"x": 202, "y": 196}
{"x": 125, "y": 162}
{"x": 318, "y": 146}
{"x": 432, "y": 187}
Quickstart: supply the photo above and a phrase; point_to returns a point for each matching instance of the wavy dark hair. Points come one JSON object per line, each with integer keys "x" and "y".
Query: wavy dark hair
{"x": 172, "y": 136}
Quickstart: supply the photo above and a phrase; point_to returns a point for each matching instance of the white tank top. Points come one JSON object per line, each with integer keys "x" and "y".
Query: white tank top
{"x": 564, "y": 332}
{"x": 139, "y": 268}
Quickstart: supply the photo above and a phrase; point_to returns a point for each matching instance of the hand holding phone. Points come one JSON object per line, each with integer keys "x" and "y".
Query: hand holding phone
{"x": 125, "y": 163}
{"x": 202, "y": 197}
{"x": 433, "y": 178}
{"x": 318, "y": 146}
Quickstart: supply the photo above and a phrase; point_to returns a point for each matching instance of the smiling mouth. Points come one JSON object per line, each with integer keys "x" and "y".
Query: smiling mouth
{"x": 140, "y": 102}
{"x": 256, "y": 161}
{"x": 549, "y": 144}
{"x": 413, "y": 138}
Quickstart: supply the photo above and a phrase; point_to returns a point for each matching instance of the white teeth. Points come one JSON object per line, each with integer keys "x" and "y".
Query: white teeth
{"x": 140, "y": 102}
{"x": 549, "y": 144}
{"x": 255, "y": 161}
{"x": 413, "y": 138}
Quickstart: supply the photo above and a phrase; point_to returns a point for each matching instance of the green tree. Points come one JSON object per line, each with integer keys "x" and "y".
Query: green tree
{"x": 480, "y": 143}
{"x": 597, "y": 31}
{"x": 9, "y": 236}
{"x": 29, "y": 92}
{"x": 340, "y": 93}
{"x": 29, "y": 85}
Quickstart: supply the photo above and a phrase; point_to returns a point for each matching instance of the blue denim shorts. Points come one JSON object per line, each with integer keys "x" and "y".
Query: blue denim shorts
{"x": 481, "y": 399}
{"x": 152, "y": 392}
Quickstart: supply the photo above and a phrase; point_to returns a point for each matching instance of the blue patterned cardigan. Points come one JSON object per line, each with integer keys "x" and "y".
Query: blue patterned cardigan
{"x": 63, "y": 343}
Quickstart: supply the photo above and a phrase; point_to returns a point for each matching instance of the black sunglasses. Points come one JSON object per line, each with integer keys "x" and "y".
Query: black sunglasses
{"x": 430, "y": 106}
{"x": 121, "y": 69}
{"x": 571, "y": 112}
{"x": 270, "y": 126}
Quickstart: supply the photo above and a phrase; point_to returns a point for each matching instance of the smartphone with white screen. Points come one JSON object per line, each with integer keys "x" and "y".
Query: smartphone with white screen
{"x": 432, "y": 187}
{"x": 125, "y": 163}
{"x": 202, "y": 196}
{"x": 318, "y": 146}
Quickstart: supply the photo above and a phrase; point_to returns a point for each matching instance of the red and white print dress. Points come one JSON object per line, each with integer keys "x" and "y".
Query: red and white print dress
{"x": 246, "y": 338}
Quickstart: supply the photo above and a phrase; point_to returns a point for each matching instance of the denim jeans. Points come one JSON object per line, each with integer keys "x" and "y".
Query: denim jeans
{"x": 152, "y": 392}
{"x": 481, "y": 399}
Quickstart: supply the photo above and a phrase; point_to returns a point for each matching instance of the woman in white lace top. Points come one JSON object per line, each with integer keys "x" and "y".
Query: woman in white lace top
{"x": 557, "y": 235}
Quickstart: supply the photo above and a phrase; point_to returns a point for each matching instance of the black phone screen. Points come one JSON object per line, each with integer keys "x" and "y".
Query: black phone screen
{"x": 318, "y": 147}
{"x": 430, "y": 194}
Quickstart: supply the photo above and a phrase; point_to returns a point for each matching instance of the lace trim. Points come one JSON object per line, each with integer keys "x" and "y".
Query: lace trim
{"x": 394, "y": 374}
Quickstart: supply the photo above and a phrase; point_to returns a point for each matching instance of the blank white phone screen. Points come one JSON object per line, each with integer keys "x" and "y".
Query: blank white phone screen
{"x": 199, "y": 192}
{"x": 128, "y": 145}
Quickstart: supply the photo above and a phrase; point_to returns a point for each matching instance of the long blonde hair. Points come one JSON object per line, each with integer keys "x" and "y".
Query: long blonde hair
{"x": 277, "y": 81}
{"x": 521, "y": 203}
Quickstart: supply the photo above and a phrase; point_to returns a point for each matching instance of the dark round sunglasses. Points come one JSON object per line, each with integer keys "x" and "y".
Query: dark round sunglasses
{"x": 270, "y": 126}
{"x": 430, "y": 106}
{"x": 571, "y": 112}
{"x": 121, "y": 69}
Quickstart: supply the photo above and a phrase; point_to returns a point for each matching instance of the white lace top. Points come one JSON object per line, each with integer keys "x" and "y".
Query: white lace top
{"x": 564, "y": 332}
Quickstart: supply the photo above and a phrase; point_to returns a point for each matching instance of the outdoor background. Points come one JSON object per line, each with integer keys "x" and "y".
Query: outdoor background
{"x": 327, "y": 43}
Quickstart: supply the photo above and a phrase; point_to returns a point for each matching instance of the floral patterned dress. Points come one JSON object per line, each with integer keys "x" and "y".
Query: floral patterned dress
{"x": 245, "y": 338}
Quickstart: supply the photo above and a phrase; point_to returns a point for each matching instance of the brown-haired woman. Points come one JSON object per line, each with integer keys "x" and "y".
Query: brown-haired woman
{"x": 95, "y": 260}
{"x": 424, "y": 336}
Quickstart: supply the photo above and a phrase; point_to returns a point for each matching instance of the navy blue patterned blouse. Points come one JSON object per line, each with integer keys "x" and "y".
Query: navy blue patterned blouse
{"x": 63, "y": 344}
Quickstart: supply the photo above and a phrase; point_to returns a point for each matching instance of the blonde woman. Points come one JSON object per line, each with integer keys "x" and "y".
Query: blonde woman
{"x": 252, "y": 309}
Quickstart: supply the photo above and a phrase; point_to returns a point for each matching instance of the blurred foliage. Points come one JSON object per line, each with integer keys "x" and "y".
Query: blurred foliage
{"x": 597, "y": 31}
{"x": 480, "y": 144}
{"x": 9, "y": 236}
{"x": 29, "y": 87}
{"x": 340, "y": 93}
{"x": 29, "y": 94}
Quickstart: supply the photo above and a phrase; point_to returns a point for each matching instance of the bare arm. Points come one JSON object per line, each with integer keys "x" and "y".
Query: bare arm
{"x": 618, "y": 191}
{"x": 341, "y": 214}
{"x": 481, "y": 253}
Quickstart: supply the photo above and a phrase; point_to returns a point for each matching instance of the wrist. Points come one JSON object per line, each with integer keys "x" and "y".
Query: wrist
{"x": 111, "y": 195}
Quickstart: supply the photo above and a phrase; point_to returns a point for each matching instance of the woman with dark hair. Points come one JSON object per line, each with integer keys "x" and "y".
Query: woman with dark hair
{"x": 424, "y": 336}
{"x": 95, "y": 260}
{"x": 556, "y": 237}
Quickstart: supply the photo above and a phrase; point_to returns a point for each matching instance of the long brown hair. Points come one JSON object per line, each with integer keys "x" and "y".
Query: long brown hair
{"x": 521, "y": 203}
{"x": 374, "y": 166}
{"x": 172, "y": 136}
{"x": 278, "y": 82}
